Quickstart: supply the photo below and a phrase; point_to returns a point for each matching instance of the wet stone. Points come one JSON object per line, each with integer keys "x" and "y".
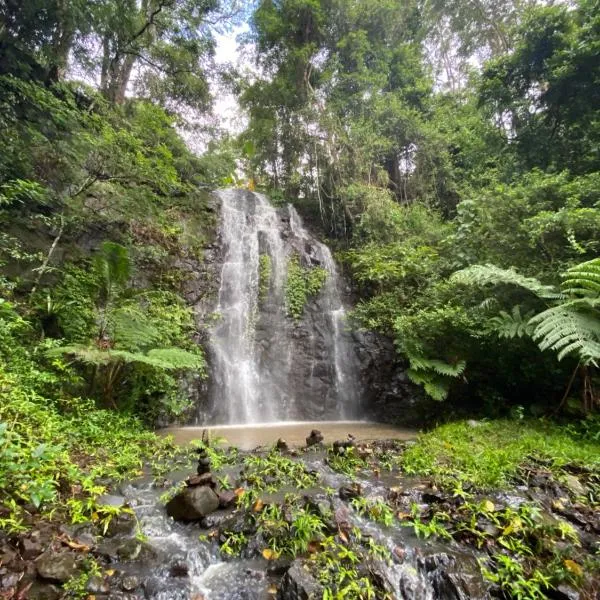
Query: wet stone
{"x": 299, "y": 584}
{"x": 30, "y": 548}
{"x": 57, "y": 567}
{"x": 227, "y": 498}
{"x": 97, "y": 585}
{"x": 44, "y": 591}
{"x": 179, "y": 568}
{"x": 130, "y": 583}
{"x": 193, "y": 503}
{"x": 315, "y": 437}
{"x": 110, "y": 500}
{"x": 200, "y": 480}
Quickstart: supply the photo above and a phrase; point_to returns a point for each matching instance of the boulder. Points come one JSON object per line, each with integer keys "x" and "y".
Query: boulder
{"x": 193, "y": 503}
{"x": 299, "y": 584}
{"x": 57, "y": 567}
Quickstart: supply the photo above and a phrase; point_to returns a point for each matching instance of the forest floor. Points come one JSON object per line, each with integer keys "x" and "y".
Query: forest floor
{"x": 508, "y": 508}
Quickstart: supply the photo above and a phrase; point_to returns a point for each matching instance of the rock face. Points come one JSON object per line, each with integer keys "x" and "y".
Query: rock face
{"x": 193, "y": 503}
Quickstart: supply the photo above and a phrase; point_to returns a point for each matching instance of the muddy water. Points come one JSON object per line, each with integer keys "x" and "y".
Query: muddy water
{"x": 248, "y": 437}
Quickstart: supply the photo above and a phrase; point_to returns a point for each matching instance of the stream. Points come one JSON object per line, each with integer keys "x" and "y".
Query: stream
{"x": 182, "y": 561}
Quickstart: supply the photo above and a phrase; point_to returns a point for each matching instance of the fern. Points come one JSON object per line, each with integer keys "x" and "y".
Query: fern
{"x": 129, "y": 328}
{"x": 567, "y": 330}
{"x": 583, "y": 279}
{"x": 513, "y": 324}
{"x": 167, "y": 359}
{"x": 434, "y": 375}
{"x": 482, "y": 275}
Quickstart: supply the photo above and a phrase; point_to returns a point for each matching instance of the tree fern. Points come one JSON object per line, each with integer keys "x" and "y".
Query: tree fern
{"x": 583, "y": 279}
{"x": 482, "y": 275}
{"x": 434, "y": 375}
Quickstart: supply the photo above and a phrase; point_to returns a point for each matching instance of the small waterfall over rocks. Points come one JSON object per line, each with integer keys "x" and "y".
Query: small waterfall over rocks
{"x": 265, "y": 366}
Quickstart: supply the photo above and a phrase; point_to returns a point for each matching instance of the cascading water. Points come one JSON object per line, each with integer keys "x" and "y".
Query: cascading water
{"x": 266, "y": 367}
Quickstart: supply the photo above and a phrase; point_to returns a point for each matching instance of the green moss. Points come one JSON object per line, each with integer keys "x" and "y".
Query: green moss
{"x": 265, "y": 270}
{"x": 489, "y": 454}
{"x": 302, "y": 284}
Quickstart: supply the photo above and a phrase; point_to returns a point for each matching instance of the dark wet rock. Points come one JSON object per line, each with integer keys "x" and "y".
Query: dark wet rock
{"x": 237, "y": 523}
{"x": 97, "y": 585}
{"x": 122, "y": 524}
{"x": 281, "y": 445}
{"x": 350, "y": 491}
{"x": 179, "y": 568}
{"x": 214, "y": 520}
{"x": 299, "y": 584}
{"x": 133, "y": 549}
{"x": 278, "y": 568}
{"x": 44, "y": 591}
{"x": 203, "y": 462}
{"x": 207, "y": 479}
{"x": 193, "y": 503}
{"x": 30, "y": 548}
{"x": 453, "y": 579}
{"x": 57, "y": 567}
{"x": 433, "y": 562}
{"x": 227, "y": 498}
{"x": 315, "y": 437}
{"x": 341, "y": 446}
{"x": 563, "y": 592}
{"x": 431, "y": 496}
{"x": 81, "y": 533}
{"x": 130, "y": 583}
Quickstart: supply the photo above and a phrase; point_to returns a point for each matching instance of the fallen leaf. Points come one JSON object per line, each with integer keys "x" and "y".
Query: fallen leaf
{"x": 572, "y": 566}
{"x": 314, "y": 547}
{"x": 269, "y": 554}
{"x": 74, "y": 545}
{"x": 343, "y": 537}
{"x": 239, "y": 492}
{"x": 403, "y": 515}
{"x": 258, "y": 506}
{"x": 109, "y": 573}
{"x": 488, "y": 506}
{"x": 515, "y": 525}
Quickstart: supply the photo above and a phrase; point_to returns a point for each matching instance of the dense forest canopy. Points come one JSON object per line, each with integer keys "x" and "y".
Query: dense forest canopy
{"x": 430, "y": 138}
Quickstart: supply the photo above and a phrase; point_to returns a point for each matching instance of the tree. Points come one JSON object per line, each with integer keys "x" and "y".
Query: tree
{"x": 126, "y": 336}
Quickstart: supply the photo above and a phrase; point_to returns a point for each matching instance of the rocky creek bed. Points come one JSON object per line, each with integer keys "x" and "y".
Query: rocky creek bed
{"x": 339, "y": 521}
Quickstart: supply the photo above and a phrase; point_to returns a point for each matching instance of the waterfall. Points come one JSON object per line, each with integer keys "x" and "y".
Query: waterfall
{"x": 265, "y": 367}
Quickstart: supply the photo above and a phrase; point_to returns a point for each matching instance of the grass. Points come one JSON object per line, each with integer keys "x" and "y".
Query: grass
{"x": 489, "y": 454}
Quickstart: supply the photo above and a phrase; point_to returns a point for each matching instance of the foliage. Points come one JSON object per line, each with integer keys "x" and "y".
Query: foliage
{"x": 265, "y": 269}
{"x": 302, "y": 284}
{"x": 488, "y": 454}
{"x": 275, "y": 471}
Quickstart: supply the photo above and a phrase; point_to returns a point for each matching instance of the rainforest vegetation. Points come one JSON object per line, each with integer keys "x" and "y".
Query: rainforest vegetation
{"x": 447, "y": 151}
